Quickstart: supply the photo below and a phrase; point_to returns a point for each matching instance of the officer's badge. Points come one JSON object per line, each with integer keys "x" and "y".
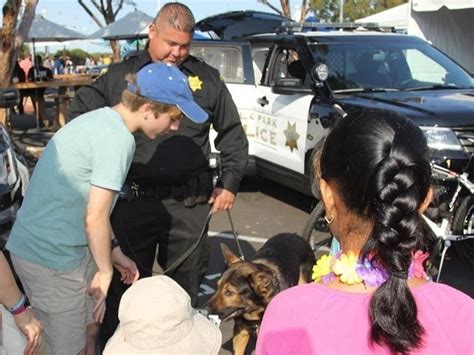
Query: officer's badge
{"x": 195, "y": 83}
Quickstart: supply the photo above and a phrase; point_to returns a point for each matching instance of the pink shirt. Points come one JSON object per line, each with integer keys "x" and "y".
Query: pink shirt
{"x": 314, "y": 319}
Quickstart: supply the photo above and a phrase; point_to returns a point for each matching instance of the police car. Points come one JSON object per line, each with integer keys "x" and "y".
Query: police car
{"x": 289, "y": 86}
{"x": 14, "y": 178}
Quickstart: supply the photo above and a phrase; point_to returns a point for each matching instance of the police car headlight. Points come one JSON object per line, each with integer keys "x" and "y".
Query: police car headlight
{"x": 441, "y": 138}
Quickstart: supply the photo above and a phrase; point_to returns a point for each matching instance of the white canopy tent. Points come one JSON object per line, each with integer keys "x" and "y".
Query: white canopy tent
{"x": 395, "y": 17}
{"x": 448, "y": 25}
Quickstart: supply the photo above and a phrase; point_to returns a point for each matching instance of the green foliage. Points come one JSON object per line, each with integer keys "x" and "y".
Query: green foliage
{"x": 328, "y": 10}
{"x": 355, "y": 9}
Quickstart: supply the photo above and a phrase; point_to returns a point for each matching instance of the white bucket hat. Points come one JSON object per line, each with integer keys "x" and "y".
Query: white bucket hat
{"x": 156, "y": 317}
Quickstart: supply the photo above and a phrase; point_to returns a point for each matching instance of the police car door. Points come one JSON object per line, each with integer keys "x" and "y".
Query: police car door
{"x": 281, "y": 120}
{"x": 234, "y": 62}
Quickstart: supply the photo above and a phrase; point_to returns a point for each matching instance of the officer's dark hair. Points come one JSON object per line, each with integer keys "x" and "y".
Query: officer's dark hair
{"x": 378, "y": 163}
{"x": 134, "y": 101}
{"x": 176, "y": 15}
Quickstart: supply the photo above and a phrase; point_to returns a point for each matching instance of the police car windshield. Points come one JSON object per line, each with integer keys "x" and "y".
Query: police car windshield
{"x": 393, "y": 65}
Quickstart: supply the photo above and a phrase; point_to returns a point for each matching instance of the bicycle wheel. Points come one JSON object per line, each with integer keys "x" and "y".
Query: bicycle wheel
{"x": 315, "y": 232}
{"x": 463, "y": 223}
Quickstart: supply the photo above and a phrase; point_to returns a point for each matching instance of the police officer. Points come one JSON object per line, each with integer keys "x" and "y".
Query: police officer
{"x": 169, "y": 188}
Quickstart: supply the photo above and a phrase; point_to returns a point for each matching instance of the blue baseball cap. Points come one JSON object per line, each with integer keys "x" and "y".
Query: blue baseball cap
{"x": 165, "y": 83}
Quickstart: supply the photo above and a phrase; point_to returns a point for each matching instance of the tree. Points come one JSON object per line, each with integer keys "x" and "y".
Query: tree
{"x": 286, "y": 8}
{"x": 12, "y": 36}
{"x": 328, "y": 10}
{"x": 109, "y": 13}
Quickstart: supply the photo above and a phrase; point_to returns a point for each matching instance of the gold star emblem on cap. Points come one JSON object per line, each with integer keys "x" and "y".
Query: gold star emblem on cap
{"x": 195, "y": 83}
{"x": 291, "y": 136}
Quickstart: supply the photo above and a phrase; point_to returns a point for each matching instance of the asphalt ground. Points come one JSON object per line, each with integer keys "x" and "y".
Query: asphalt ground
{"x": 262, "y": 209}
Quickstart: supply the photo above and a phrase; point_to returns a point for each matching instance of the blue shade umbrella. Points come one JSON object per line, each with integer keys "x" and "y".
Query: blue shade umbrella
{"x": 43, "y": 30}
{"x": 132, "y": 26}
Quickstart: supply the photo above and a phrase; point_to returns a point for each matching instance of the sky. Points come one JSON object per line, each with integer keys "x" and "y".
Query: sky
{"x": 70, "y": 14}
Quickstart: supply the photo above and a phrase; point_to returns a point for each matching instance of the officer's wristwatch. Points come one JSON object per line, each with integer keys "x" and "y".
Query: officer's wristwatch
{"x": 114, "y": 243}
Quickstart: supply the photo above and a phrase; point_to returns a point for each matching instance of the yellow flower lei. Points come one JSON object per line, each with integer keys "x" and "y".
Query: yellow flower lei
{"x": 351, "y": 270}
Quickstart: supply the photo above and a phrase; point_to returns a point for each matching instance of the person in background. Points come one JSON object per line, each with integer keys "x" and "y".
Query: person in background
{"x": 58, "y": 65}
{"x": 26, "y": 64}
{"x": 88, "y": 64}
{"x": 107, "y": 60}
{"x": 38, "y": 72}
{"x": 374, "y": 296}
{"x": 63, "y": 221}
{"x": 18, "y": 76}
{"x": 49, "y": 63}
{"x": 169, "y": 189}
{"x": 156, "y": 317}
{"x": 69, "y": 66}
{"x": 14, "y": 302}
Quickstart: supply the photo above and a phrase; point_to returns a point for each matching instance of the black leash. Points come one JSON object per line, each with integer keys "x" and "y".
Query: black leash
{"x": 183, "y": 257}
{"x": 235, "y": 236}
{"x": 188, "y": 252}
{"x": 193, "y": 247}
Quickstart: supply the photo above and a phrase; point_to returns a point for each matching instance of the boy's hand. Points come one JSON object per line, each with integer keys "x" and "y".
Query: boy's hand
{"x": 126, "y": 266}
{"x": 32, "y": 329}
{"x": 98, "y": 290}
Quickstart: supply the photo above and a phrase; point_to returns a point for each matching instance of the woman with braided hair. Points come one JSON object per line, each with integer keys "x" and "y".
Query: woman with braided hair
{"x": 374, "y": 295}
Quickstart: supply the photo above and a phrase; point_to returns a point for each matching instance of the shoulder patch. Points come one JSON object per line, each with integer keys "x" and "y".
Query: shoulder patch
{"x": 102, "y": 73}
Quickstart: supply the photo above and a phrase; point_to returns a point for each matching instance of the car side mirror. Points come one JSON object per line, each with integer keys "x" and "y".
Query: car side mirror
{"x": 287, "y": 86}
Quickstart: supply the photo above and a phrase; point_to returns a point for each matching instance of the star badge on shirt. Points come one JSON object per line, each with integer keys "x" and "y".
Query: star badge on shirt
{"x": 195, "y": 83}
{"x": 291, "y": 136}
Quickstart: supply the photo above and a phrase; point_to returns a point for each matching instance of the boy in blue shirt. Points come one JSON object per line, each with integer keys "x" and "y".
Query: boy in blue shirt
{"x": 73, "y": 189}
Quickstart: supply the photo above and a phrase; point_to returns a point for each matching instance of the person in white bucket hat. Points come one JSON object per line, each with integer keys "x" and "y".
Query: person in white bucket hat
{"x": 156, "y": 317}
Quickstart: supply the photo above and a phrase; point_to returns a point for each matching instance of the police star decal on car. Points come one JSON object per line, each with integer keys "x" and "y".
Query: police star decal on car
{"x": 291, "y": 136}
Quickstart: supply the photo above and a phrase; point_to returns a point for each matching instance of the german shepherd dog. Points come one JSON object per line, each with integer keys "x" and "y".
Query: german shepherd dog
{"x": 246, "y": 287}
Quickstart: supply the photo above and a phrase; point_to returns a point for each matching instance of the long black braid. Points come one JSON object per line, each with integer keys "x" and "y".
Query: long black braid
{"x": 382, "y": 172}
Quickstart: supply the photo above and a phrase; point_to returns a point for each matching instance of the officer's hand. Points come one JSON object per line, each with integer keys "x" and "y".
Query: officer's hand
{"x": 128, "y": 269}
{"x": 221, "y": 199}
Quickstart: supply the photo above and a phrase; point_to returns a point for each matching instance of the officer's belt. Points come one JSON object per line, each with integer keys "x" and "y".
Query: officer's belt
{"x": 195, "y": 190}
{"x": 132, "y": 189}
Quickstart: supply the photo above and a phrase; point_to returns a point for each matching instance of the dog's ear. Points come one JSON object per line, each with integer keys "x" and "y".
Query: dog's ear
{"x": 229, "y": 256}
{"x": 263, "y": 284}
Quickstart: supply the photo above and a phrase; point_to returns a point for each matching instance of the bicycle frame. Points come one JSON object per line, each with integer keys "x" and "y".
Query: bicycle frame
{"x": 443, "y": 229}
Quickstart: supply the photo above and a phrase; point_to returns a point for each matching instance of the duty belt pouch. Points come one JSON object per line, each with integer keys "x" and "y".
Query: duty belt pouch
{"x": 198, "y": 189}
{"x": 129, "y": 191}
{"x": 204, "y": 187}
{"x": 190, "y": 191}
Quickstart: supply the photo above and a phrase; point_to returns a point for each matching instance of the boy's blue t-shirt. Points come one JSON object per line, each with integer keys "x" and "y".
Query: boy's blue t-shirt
{"x": 94, "y": 149}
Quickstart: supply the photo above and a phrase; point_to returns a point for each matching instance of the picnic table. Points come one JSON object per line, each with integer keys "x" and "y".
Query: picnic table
{"x": 62, "y": 82}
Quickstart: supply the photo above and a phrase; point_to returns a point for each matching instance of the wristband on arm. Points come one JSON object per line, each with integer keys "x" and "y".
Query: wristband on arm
{"x": 114, "y": 243}
{"x": 19, "y": 307}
